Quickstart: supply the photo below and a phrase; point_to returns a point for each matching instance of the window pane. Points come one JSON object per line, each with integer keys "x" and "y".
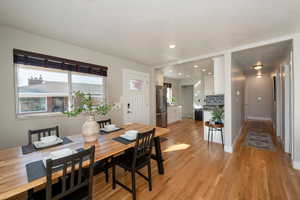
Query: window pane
{"x": 89, "y": 84}
{"x": 41, "y": 90}
{"x": 136, "y": 84}
{"x": 169, "y": 95}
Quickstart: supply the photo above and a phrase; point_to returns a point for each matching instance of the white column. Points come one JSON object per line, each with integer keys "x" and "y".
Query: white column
{"x": 228, "y": 115}
{"x": 219, "y": 74}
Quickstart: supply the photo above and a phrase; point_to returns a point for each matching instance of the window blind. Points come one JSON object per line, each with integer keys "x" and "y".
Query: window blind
{"x": 42, "y": 60}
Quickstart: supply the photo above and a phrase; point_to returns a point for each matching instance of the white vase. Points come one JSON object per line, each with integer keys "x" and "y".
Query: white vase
{"x": 90, "y": 130}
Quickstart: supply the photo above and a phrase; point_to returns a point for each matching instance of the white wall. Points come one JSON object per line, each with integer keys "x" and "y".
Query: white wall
{"x": 237, "y": 100}
{"x": 219, "y": 77}
{"x": 257, "y": 88}
{"x": 14, "y": 131}
{"x": 296, "y": 149}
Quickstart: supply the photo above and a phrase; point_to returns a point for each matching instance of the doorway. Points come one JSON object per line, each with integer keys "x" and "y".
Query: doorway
{"x": 187, "y": 92}
{"x": 135, "y": 97}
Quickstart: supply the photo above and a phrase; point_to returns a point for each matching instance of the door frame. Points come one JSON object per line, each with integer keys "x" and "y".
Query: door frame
{"x": 147, "y": 109}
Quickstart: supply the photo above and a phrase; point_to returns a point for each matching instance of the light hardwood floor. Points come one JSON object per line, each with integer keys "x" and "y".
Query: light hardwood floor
{"x": 194, "y": 170}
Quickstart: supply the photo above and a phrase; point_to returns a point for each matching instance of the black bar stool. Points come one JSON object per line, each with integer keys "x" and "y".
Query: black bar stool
{"x": 212, "y": 128}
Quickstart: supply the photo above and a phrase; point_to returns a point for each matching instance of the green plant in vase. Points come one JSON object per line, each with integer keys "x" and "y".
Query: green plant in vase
{"x": 86, "y": 105}
{"x": 218, "y": 115}
{"x": 173, "y": 100}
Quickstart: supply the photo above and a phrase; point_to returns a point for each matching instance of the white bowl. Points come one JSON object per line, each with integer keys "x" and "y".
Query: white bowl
{"x": 47, "y": 139}
{"x": 110, "y": 126}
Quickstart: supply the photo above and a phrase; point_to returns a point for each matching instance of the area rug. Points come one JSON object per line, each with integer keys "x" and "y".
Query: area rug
{"x": 260, "y": 140}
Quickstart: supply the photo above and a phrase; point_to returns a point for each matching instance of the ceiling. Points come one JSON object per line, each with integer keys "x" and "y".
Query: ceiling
{"x": 269, "y": 55}
{"x": 195, "y": 69}
{"x": 141, "y": 30}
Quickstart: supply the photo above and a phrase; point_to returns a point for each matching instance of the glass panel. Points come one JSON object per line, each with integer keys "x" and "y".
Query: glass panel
{"x": 169, "y": 95}
{"x": 136, "y": 84}
{"x": 89, "y": 84}
{"x": 41, "y": 90}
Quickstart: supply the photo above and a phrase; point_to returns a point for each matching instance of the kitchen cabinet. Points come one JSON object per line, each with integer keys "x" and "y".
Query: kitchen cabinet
{"x": 174, "y": 114}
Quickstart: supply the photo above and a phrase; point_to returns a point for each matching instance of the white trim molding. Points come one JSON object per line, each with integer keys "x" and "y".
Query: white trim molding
{"x": 228, "y": 148}
{"x": 296, "y": 165}
{"x": 259, "y": 118}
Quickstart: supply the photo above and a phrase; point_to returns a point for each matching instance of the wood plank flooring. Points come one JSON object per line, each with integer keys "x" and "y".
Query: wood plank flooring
{"x": 196, "y": 171}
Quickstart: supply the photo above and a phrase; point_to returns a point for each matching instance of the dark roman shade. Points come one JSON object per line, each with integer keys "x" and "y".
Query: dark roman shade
{"x": 41, "y": 60}
{"x": 168, "y": 85}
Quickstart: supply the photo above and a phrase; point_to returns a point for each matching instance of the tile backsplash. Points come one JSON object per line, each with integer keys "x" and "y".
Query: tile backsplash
{"x": 214, "y": 100}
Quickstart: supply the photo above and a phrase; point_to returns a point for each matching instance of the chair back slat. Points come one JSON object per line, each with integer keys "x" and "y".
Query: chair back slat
{"x": 143, "y": 145}
{"x": 42, "y": 133}
{"x": 103, "y": 123}
{"x": 72, "y": 179}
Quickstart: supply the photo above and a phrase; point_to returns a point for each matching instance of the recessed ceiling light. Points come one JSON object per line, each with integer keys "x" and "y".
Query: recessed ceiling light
{"x": 172, "y": 46}
{"x": 179, "y": 74}
{"x": 209, "y": 73}
{"x": 258, "y": 66}
{"x": 203, "y": 70}
{"x": 196, "y": 66}
{"x": 170, "y": 71}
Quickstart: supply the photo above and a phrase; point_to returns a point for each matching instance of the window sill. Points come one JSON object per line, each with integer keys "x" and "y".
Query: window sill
{"x": 39, "y": 115}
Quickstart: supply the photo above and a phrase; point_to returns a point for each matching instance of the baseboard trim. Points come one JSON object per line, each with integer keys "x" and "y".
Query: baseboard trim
{"x": 296, "y": 165}
{"x": 259, "y": 118}
{"x": 228, "y": 149}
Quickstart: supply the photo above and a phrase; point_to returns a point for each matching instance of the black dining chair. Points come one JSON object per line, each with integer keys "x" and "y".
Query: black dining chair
{"x": 42, "y": 133}
{"x": 135, "y": 160}
{"x": 103, "y": 165}
{"x": 76, "y": 182}
{"x": 103, "y": 123}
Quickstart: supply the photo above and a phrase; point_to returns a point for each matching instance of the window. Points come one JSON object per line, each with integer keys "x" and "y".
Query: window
{"x": 169, "y": 95}
{"x": 136, "y": 84}
{"x": 45, "y": 84}
{"x": 43, "y": 90}
{"x": 89, "y": 84}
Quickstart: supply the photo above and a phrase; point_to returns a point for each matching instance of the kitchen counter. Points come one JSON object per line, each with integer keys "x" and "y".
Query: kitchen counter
{"x": 174, "y": 113}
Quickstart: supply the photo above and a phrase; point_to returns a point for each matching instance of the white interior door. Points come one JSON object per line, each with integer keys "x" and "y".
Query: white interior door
{"x": 135, "y": 97}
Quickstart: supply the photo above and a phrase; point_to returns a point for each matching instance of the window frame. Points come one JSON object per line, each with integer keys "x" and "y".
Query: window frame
{"x": 25, "y": 115}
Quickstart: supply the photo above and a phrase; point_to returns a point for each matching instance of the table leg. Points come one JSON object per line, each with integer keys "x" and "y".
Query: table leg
{"x": 158, "y": 155}
{"x": 208, "y": 135}
{"x": 222, "y": 136}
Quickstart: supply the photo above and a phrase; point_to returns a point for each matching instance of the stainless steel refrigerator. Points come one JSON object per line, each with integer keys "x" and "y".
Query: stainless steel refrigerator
{"x": 161, "y": 106}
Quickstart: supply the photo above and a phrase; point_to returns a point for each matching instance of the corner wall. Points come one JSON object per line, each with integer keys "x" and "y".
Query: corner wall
{"x": 296, "y": 101}
{"x": 237, "y": 100}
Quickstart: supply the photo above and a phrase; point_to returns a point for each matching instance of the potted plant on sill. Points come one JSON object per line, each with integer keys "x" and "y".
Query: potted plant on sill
{"x": 218, "y": 115}
{"x": 85, "y": 105}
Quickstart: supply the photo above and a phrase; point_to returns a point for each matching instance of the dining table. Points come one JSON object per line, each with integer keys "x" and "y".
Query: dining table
{"x": 13, "y": 173}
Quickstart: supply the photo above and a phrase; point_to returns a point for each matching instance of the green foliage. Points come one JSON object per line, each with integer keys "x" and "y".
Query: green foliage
{"x": 218, "y": 114}
{"x": 173, "y": 100}
{"x": 84, "y": 104}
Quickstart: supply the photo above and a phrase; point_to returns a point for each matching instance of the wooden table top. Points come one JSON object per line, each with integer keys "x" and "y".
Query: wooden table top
{"x": 13, "y": 176}
{"x": 214, "y": 125}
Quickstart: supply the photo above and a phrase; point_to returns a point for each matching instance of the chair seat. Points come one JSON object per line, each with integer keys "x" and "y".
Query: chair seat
{"x": 100, "y": 166}
{"x": 125, "y": 161}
